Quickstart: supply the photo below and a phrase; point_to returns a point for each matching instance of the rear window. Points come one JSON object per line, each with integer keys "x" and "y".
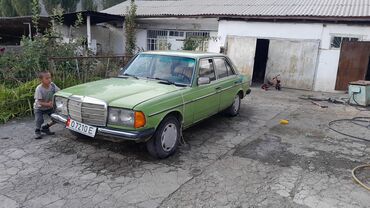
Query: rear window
{"x": 206, "y": 69}
{"x": 221, "y": 68}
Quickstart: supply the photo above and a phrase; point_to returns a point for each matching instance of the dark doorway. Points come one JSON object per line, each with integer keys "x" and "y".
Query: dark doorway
{"x": 368, "y": 71}
{"x": 260, "y": 60}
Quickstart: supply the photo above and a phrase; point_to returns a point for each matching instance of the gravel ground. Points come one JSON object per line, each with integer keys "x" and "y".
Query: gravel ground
{"x": 247, "y": 161}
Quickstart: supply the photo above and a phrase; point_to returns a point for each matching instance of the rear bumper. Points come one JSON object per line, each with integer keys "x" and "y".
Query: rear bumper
{"x": 138, "y": 136}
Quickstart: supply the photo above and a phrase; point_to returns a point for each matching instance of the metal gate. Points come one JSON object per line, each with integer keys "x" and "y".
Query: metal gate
{"x": 295, "y": 61}
{"x": 241, "y": 51}
{"x": 353, "y": 63}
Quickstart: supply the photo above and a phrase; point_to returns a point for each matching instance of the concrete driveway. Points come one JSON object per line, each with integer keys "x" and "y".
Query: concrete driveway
{"x": 247, "y": 161}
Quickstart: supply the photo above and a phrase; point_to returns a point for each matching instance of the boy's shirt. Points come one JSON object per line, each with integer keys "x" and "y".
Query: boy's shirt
{"x": 46, "y": 95}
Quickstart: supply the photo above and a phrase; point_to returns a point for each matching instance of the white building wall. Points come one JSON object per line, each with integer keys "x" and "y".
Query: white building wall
{"x": 141, "y": 36}
{"x": 109, "y": 37}
{"x": 328, "y": 58}
{"x": 177, "y": 24}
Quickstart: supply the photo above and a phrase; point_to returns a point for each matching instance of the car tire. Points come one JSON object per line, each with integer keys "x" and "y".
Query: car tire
{"x": 234, "y": 109}
{"x": 165, "y": 141}
{"x": 78, "y": 135}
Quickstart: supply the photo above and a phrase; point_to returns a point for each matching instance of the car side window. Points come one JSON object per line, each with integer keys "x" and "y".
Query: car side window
{"x": 206, "y": 69}
{"x": 221, "y": 68}
{"x": 230, "y": 70}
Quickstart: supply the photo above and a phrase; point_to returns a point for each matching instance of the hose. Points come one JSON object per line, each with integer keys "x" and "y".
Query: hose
{"x": 358, "y": 180}
{"x": 357, "y": 121}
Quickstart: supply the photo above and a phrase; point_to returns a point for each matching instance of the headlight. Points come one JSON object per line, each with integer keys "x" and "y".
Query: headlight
{"x": 61, "y": 105}
{"x": 126, "y": 117}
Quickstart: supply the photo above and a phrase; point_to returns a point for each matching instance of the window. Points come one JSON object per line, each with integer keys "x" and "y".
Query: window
{"x": 166, "y": 68}
{"x": 176, "y": 34}
{"x": 206, "y": 69}
{"x": 197, "y": 34}
{"x": 230, "y": 70}
{"x": 221, "y": 68}
{"x": 164, "y": 39}
{"x": 336, "y": 41}
{"x": 156, "y": 39}
{"x": 202, "y": 36}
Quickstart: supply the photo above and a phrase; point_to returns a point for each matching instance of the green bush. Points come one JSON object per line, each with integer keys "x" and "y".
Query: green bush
{"x": 17, "y": 101}
{"x": 18, "y": 70}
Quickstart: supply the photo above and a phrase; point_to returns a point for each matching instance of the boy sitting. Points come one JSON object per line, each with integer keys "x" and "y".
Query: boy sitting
{"x": 44, "y": 104}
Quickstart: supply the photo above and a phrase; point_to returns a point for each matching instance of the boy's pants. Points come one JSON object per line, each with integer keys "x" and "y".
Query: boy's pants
{"x": 39, "y": 116}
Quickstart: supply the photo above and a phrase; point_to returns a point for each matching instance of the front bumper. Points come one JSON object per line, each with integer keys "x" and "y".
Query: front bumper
{"x": 138, "y": 136}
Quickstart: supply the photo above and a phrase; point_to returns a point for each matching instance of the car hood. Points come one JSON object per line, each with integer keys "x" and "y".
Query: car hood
{"x": 121, "y": 92}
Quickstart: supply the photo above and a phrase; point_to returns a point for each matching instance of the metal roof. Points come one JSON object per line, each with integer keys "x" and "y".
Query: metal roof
{"x": 247, "y": 8}
{"x": 96, "y": 17}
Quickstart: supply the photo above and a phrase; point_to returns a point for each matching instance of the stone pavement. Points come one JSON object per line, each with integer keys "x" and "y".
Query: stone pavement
{"x": 247, "y": 161}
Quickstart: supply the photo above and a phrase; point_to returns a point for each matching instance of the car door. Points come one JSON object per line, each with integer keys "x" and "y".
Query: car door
{"x": 227, "y": 82}
{"x": 205, "y": 97}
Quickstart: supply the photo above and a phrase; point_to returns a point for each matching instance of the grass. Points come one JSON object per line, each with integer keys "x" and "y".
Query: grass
{"x": 16, "y": 101}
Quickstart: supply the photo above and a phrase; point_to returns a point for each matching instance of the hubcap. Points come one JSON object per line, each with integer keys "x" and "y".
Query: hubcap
{"x": 236, "y": 104}
{"x": 169, "y": 137}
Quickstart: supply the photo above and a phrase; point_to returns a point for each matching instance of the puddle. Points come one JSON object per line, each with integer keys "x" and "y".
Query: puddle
{"x": 270, "y": 149}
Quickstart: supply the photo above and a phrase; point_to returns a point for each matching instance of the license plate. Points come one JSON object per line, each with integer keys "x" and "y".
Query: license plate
{"x": 81, "y": 128}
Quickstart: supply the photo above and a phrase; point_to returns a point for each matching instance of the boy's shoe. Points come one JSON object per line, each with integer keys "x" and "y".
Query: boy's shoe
{"x": 45, "y": 129}
{"x": 38, "y": 134}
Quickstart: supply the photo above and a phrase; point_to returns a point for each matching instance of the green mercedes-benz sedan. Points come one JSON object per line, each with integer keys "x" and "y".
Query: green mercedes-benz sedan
{"x": 154, "y": 98}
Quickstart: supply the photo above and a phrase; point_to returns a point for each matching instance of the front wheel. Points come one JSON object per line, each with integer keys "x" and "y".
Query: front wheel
{"x": 165, "y": 141}
{"x": 234, "y": 109}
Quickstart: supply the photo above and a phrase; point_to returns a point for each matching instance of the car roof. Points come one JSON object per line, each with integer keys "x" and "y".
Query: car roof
{"x": 190, "y": 54}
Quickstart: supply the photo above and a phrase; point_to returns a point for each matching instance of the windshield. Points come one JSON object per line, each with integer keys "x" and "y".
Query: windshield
{"x": 173, "y": 69}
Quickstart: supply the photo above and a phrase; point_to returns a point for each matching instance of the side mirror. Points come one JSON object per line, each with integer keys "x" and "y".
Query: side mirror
{"x": 204, "y": 80}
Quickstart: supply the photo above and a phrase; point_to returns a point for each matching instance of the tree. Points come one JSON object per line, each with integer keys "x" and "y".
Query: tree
{"x": 36, "y": 9}
{"x": 89, "y": 5}
{"x": 66, "y": 5}
{"x": 130, "y": 29}
{"x": 23, "y": 7}
{"x": 7, "y": 9}
{"x": 191, "y": 44}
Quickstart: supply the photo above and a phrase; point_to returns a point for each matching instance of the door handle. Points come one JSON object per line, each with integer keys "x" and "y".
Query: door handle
{"x": 217, "y": 88}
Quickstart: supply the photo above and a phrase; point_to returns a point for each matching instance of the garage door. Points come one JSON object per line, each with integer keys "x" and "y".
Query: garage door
{"x": 241, "y": 51}
{"x": 295, "y": 61}
{"x": 353, "y": 63}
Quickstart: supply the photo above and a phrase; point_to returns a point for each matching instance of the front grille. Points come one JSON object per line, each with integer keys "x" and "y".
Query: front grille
{"x": 88, "y": 113}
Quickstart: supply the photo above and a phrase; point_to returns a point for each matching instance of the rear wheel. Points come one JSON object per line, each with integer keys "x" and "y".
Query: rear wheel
{"x": 165, "y": 141}
{"x": 234, "y": 109}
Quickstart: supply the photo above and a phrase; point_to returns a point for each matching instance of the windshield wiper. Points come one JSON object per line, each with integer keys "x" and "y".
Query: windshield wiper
{"x": 166, "y": 81}
{"x": 129, "y": 75}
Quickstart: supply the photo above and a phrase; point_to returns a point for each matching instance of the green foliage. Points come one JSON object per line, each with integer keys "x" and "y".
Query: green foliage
{"x": 18, "y": 70}
{"x": 66, "y": 5}
{"x": 89, "y": 5}
{"x": 16, "y": 101}
{"x": 79, "y": 21}
{"x": 197, "y": 43}
{"x": 23, "y": 7}
{"x": 36, "y": 14}
{"x": 7, "y": 9}
{"x": 191, "y": 44}
{"x": 130, "y": 29}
